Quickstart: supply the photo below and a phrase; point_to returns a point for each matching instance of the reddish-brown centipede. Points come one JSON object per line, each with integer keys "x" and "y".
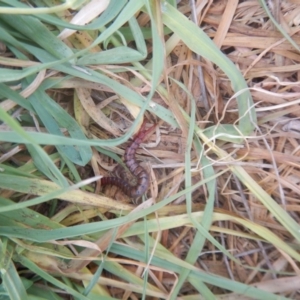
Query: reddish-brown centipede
{"x": 134, "y": 167}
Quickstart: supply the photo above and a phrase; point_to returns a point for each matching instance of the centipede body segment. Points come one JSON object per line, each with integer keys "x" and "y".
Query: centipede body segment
{"x": 141, "y": 186}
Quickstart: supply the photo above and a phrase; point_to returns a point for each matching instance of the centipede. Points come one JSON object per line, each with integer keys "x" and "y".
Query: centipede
{"x": 142, "y": 177}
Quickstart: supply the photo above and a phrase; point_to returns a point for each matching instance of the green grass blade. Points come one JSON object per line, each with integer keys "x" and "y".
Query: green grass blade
{"x": 125, "y": 15}
{"x": 7, "y": 92}
{"x": 47, "y": 162}
{"x": 278, "y": 26}
{"x": 73, "y": 4}
{"x": 113, "y": 9}
{"x": 34, "y": 30}
{"x": 174, "y": 264}
{"x": 158, "y": 49}
{"x": 117, "y": 55}
{"x": 201, "y": 44}
{"x": 200, "y": 238}
{"x": 110, "y": 13}
{"x": 50, "y": 191}
{"x": 277, "y": 211}
{"x": 49, "y": 278}
{"x": 27, "y": 216}
{"x": 11, "y": 280}
{"x": 54, "y": 117}
{"x": 122, "y": 54}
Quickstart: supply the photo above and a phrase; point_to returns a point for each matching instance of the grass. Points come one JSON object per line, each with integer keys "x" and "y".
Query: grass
{"x": 220, "y": 219}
